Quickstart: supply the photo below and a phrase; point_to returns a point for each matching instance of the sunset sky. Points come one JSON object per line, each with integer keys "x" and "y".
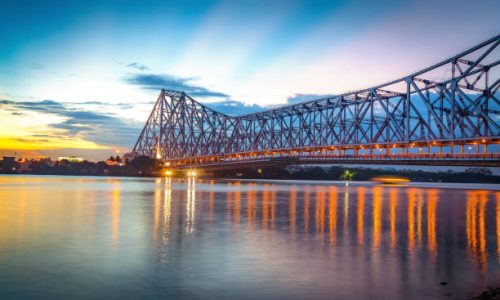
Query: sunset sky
{"x": 79, "y": 77}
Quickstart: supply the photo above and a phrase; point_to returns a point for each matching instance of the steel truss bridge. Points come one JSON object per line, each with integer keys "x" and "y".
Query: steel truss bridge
{"x": 446, "y": 114}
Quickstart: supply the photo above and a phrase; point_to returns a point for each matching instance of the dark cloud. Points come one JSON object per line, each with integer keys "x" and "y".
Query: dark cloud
{"x": 42, "y": 135}
{"x": 157, "y": 82}
{"x": 138, "y": 66}
{"x": 297, "y": 98}
{"x": 31, "y": 140}
{"x": 45, "y": 105}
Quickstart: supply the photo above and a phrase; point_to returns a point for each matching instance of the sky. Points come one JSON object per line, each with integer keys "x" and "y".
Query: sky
{"x": 80, "y": 77}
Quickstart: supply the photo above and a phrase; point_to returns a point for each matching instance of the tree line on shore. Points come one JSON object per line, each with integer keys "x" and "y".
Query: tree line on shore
{"x": 471, "y": 175}
{"x": 146, "y": 166}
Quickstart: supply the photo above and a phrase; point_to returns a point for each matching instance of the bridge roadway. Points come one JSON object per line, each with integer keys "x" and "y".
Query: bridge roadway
{"x": 432, "y": 159}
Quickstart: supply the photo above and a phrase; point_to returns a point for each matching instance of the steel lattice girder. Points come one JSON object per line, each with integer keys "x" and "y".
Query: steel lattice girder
{"x": 417, "y": 108}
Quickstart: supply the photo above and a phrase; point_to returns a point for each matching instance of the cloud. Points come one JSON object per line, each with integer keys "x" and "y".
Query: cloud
{"x": 164, "y": 81}
{"x": 138, "y": 66}
{"x": 297, "y": 98}
{"x": 100, "y": 128}
{"x": 234, "y": 108}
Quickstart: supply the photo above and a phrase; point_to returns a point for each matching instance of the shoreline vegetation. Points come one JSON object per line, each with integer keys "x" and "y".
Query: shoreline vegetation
{"x": 148, "y": 167}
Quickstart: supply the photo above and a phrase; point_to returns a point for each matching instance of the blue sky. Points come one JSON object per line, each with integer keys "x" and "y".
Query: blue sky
{"x": 112, "y": 57}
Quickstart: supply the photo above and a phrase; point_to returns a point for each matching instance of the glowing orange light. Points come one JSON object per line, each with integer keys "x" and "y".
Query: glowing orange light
{"x": 361, "y": 210}
{"x": 377, "y": 214}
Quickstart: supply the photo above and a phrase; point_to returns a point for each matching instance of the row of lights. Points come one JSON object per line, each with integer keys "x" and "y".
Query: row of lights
{"x": 309, "y": 150}
{"x": 189, "y": 173}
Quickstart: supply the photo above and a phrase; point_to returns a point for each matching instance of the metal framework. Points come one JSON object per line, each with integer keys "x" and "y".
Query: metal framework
{"x": 454, "y": 102}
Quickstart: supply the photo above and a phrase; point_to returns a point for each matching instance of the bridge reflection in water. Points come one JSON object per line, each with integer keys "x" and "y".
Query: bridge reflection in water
{"x": 384, "y": 217}
{"x": 282, "y": 239}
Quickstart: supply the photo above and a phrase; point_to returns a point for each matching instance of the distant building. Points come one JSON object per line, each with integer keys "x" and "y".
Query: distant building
{"x": 10, "y": 159}
{"x": 9, "y": 165}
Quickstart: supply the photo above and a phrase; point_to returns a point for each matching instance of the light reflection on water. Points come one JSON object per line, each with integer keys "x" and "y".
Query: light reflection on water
{"x": 146, "y": 238}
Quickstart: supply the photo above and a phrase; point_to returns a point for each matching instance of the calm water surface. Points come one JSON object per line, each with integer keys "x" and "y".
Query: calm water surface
{"x": 110, "y": 238}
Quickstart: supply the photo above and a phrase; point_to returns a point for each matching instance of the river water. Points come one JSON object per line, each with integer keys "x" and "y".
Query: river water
{"x": 110, "y": 238}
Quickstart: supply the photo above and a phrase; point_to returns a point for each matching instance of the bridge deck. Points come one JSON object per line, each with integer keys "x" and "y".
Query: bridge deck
{"x": 469, "y": 159}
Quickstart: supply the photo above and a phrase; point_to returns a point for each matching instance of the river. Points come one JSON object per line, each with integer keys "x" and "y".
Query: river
{"x": 110, "y": 238}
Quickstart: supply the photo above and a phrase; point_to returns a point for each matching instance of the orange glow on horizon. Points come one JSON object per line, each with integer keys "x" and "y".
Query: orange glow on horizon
{"x": 33, "y": 144}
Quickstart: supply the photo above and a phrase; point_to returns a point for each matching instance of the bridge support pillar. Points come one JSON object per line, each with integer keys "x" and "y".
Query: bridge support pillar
{"x": 485, "y": 148}
{"x": 440, "y": 150}
{"x": 462, "y": 149}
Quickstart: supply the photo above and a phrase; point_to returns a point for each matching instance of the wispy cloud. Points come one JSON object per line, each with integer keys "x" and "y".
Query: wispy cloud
{"x": 165, "y": 81}
{"x": 138, "y": 66}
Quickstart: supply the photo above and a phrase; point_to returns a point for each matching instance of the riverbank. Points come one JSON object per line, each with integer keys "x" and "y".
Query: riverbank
{"x": 147, "y": 167}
